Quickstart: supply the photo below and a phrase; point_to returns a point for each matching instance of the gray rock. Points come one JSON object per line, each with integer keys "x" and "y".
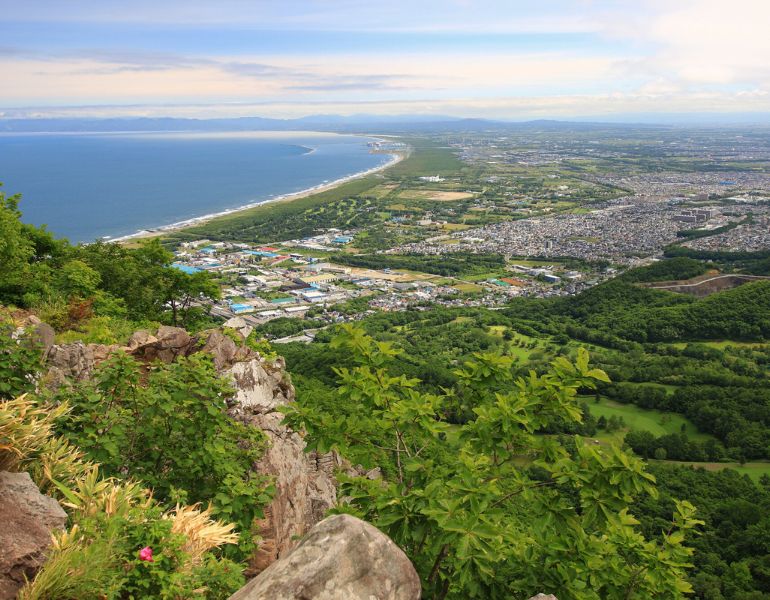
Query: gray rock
{"x": 544, "y": 597}
{"x": 222, "y": 348}
{"x": 341, "y": 558}
{"x": 240, "y": 325}
{"x": 304, "y": 483}
{"x": 140, "y": 339}
{"x": 172, "y": 337}
{"x": 172, "y": 342}
{"x": 75, "y": 360}
{"x": 28, "y": 518}
{"x": 38, "y": 333}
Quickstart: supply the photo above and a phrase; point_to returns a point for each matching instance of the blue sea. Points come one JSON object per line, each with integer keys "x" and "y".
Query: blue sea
{"x": 88, "y": 186}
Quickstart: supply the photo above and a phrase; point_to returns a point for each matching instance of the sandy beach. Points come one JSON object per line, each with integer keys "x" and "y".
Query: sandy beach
{"x": 396, "y": 157}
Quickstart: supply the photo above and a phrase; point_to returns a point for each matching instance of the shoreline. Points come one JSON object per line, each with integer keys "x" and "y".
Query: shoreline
{"x": 396, "y": 157}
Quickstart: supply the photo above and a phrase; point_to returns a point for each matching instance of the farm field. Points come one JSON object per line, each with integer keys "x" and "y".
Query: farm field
{"x": 437, "y": 195}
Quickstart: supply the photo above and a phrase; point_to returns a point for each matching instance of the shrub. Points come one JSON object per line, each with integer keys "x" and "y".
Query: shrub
{"x": 168, "y": 427}
{"x": 19, "y": 363}
{"x": 111, "y": 521}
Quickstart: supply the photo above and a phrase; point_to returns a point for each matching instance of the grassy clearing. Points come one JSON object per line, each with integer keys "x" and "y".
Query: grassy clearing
{"x": 520, "y": 354}
{"x": 722, "y": 344}
{"x": 753, "y": 470}
{"x": 535, "y": 263}
{"x": 719, "y": 344}
{"x": 640, "y": 419}
{"x": 516, "y": 347}
{"x": 461, "y": 320}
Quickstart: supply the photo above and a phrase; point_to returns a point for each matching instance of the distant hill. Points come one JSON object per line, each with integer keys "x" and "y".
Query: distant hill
{"x": 338, "y": 123}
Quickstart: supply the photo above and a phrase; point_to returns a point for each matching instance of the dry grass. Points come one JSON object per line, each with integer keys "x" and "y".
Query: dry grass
{"x": 25, "y": 429}
{"x": 201, "y": 532}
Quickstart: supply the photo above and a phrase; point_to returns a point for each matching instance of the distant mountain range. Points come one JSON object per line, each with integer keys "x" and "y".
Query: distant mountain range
{"x": 361, "y": 123}
{"x": 348, "y": 124}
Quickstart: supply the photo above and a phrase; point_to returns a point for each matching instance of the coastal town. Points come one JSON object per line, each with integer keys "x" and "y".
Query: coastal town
{"x": 556, "y": 230}
{"x": 269, "y": 282}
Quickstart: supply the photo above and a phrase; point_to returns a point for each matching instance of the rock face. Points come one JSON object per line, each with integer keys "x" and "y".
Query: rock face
{"x": 341, "y": 558}
{"x": 28, "y": 518}
{"x": 75, "y": 361}
{"x": 304, "y": 483}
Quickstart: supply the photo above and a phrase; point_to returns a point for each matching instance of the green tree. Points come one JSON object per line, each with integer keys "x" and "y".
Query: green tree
{"x": 16, "y": 250}
{"x": 182, "y": 292}
{"x": 19, "y": 363}
{"x": 457, "y": 500}
{"x": 76, "y": 278}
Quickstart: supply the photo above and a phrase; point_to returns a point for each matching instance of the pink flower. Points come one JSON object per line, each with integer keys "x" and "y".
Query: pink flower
{"x": 146, "y": 554}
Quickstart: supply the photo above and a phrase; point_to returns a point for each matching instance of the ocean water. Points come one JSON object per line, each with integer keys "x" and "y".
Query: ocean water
{"x": 87, "y": 186}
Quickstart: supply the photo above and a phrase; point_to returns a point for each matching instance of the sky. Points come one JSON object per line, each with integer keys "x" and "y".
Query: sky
{"x": 496, "y": 59}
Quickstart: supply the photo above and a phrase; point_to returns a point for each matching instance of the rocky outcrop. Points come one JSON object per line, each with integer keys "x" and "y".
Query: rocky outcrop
{"x": 172, "y": 342}
{"x": 28, "y": 518}
{"x": 76, "y": 361}
{"x": 240, "y": 325}
{"x": 341, "y": 558}
{"x": 304, "y": 483}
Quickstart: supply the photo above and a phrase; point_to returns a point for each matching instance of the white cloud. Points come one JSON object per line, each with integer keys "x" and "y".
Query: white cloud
{"x": 648, "y": 55}
{"x": 700, "y": 43}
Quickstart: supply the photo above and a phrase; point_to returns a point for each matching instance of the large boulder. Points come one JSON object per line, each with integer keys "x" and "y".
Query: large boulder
{"x": 304, "y": 483}
{"x": 140, "y": 340}
{"x": 28, "y": 518}
{"x": 37, "y": 333}
{"x": 171, "y": 343}
{"x": 341, "y": 558}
